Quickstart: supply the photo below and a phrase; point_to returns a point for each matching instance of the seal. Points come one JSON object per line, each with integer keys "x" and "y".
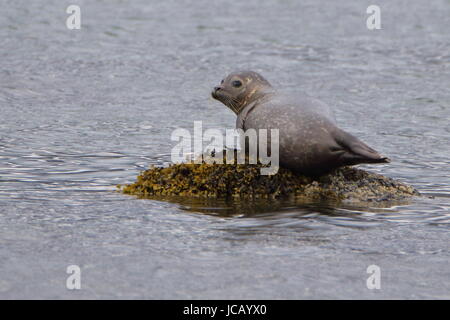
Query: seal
{"x": 310, "y": 142}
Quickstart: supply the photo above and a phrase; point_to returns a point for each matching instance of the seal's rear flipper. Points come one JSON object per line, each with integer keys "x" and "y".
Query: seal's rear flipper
{"x": 355, "y": 151}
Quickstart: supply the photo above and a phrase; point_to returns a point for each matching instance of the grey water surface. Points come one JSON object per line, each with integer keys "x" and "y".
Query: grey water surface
{"x": 84, "y": 110}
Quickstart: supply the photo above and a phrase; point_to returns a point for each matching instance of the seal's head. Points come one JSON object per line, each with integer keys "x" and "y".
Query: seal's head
{"x": 238, "y": 89}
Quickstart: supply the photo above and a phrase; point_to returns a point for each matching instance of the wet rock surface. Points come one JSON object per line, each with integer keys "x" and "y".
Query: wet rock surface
{"x": 245, "y": 181}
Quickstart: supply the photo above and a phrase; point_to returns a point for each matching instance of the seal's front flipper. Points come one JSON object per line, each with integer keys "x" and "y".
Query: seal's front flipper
{"x": 354, "y": 151}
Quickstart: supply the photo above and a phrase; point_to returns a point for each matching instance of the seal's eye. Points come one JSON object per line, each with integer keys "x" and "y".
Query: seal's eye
{"x": 236, "y": 83}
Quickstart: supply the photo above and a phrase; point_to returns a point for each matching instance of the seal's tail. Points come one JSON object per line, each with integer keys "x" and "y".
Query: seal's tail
{"x": 354, "y": 151}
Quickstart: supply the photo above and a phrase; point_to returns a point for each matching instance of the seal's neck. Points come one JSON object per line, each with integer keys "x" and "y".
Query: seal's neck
{"x": 254, "y": 97}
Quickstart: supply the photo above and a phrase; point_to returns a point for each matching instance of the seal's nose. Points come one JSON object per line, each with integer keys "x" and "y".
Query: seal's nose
{"x": 215, "y": 91}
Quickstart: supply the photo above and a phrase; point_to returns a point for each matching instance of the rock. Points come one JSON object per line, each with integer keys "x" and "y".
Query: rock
{"x": 245, "y": 181}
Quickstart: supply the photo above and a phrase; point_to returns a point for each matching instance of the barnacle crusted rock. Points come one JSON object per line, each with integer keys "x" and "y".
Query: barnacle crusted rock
{"x": 246, "y": 182}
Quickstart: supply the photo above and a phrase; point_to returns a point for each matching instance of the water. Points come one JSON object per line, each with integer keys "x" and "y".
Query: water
{"x": 84, "y": 110}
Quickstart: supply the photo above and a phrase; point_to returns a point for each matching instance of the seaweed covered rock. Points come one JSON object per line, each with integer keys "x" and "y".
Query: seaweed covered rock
{"x": 246, "y": 182}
